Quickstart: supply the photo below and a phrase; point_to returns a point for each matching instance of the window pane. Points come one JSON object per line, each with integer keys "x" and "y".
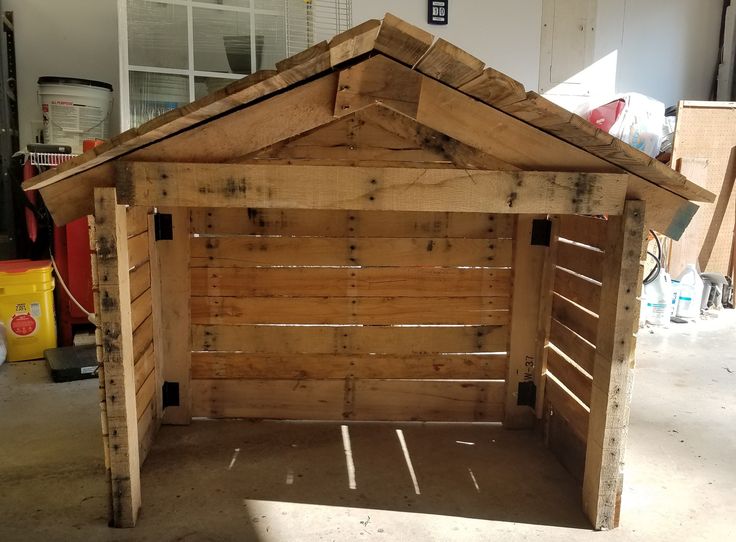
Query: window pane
{"x": 270, "y": 40}
{"x": 221, "y": 41}
{"x": 153, "y": 94}
{"x": 207, "y": 85}
{"x": 157, "y": 35}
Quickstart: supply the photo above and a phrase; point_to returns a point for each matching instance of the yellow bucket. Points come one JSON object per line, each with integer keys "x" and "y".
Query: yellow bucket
{"x": 27, "y": 308}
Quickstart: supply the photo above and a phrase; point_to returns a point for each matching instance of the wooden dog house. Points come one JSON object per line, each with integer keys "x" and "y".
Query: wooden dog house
{"x": 380, "y": 229}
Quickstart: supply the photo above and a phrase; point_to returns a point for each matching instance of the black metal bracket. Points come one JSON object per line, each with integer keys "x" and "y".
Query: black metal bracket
{"x": 541, "y": 232}
{"x": 170, "y": 394}
{"x": 527, "y": 394}
{"x": 163, "y": 227}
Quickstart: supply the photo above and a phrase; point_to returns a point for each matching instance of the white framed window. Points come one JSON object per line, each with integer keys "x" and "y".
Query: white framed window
{"x": 175, "y": 51}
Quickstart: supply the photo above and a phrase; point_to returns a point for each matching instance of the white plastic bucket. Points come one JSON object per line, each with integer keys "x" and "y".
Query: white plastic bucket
{"x": 74, "y": 110}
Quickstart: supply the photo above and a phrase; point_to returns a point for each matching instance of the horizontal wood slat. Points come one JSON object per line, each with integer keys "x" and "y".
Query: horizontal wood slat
{"x": 142, "y": 337}
{"x": 576, "y": 381}
{"x": 565, "y": 405}
{"x": 337, "y": 310}
{"x": 364, "y": 282}
{"x": 428, "y": 400}
{"x": 581, "y": 260}
{"x": 574, "y": 317}
{"x": 351, "y": 339}
{"x": 280, "y": 399}
{"x": 330, "y": 251}
{"x": 136, "y": 220}
{"x": 329, "y": 366}
{"x": 574, "y": 347}
{"x": 370, "y": 188}
{"x": 584, "y": 229}
{"x": 145, "y": 394}
{"x": 368, "y": 400}
{"x": 138, "y": 249}
{"x": 147, "y": 428}
{"x": 140, "y": 308}
{"x": 143, "y": 366}
{"x": 140, "y": 280}
{"x": 328, "y": 223}
{"x": 578, "y": 289}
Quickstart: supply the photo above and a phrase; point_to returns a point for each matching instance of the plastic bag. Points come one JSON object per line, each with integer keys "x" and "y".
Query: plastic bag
{"x": 639, "y": 120}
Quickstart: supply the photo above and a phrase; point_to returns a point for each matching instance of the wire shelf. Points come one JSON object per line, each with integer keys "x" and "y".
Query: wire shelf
{"x": 49, "y": 159}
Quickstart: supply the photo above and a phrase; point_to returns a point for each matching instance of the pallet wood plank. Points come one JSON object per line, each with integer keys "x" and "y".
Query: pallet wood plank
{"x": 573, "y": 316}
{"x": 327, "y": 223}
{"x": 114, "y": 319}
{"x": 586, "y": 230}
{"x": 143, "y": 367}
{"x": 386, "y": 189}
{"x": 140, "y": 280}
{"x": 402, "y": 41}
{"x": 354, "y": 42}
{"x": 614, "y": 361}
{"x": 494, "y": 88}
{"x": 498, "y": 134}
{"x": 217, "y": 365}
{"x": 147, "y": 428}
{"x": 285, "y": 399}
{"x": 137, "y": 220}
{"x": 565, "y": 405}
{"x": 363, "y": 282}
{"x": 346, "y": 310}
{"x": 572, "y": 345}
{"x": 581, "y": 260}
{"x": 171, "y": 319}
{"x": 138, "y": 249}
{"x": 140, "y": 309}
{"x": 368, "y": 83}
{"x": 579, "y": 383}
{"x": 145, "y": 394}
{"x": 142, "y": 337}
{"x": 544, "y": 319}
{"x": 340, "y": 251}
{"x": 578, "y": 289}
{"x": 523, "y": 359}
{"x": 352, "y": 339}
{"x": 427, "y": 400}
{"x": 450, "y": 64}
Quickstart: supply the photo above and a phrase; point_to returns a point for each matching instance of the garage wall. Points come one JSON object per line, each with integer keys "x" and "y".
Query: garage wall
{"x": 506, "y": 35}
{"x": 76, "y": 38}
{"x": 664, "y": 48}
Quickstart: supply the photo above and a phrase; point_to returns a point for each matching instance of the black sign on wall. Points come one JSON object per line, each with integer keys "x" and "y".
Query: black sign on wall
{"x": 437, "y": 13}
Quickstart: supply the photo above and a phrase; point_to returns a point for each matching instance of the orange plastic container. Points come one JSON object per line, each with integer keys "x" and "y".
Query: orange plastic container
{"x": 27, "y": 308}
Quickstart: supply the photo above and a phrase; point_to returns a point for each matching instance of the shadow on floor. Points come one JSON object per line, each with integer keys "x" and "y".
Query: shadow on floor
{"x": 463, "y": 470}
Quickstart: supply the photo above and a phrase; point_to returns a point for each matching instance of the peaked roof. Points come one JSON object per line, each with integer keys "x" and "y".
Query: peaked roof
{"x": 374, "y": 75}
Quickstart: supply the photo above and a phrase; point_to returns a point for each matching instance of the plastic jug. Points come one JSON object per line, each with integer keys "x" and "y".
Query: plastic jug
{"x": 691, "y": 292}
{"x": 659, "y": 300}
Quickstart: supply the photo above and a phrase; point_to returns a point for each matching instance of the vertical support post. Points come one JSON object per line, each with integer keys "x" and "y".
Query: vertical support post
{"x": 614, "y": 361}
{"x": 527, "y": 281}
{"x": 171, "y": 293}
{"x": 545, "y": 314}
{"x": 115, "y": 325}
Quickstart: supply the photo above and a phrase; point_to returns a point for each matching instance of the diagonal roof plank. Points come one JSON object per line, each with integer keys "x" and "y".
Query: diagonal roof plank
{"x": 435, "y": 63}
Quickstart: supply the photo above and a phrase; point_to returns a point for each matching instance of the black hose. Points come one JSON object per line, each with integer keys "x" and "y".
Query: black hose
{"x": 654, "y": 273}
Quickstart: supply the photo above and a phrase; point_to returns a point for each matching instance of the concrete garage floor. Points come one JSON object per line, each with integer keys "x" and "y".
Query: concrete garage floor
{"x": 274, "y": 481}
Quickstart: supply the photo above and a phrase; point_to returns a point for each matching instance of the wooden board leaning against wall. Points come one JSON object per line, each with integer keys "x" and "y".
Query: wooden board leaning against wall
{"x": 704, "y": 139}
